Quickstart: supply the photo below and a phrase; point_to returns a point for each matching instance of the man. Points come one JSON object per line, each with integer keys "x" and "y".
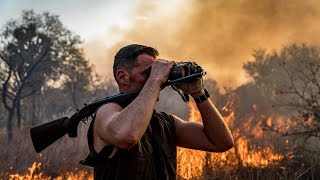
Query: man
{"x": 135, "y": 141}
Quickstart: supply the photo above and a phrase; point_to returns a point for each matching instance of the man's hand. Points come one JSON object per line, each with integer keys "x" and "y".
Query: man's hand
{"x": 192, "y": 87}
{"x": 160, "y": 71}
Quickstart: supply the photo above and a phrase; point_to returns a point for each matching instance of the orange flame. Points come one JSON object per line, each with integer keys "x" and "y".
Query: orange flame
{"x": 191, "y": 163}
{"x": 35, "y": 175}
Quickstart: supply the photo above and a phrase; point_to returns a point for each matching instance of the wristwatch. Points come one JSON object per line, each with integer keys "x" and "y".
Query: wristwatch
{"x": 203, "y": 97}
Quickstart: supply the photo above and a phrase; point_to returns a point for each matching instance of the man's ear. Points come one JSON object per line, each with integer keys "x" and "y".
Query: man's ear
{"x": 122, "y": 76}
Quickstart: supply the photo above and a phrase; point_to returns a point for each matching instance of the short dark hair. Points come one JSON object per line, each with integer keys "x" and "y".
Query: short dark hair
{"x": 127, "y": 56}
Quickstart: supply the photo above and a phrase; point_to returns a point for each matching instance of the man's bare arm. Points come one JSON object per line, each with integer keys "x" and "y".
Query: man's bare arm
{"x": 213, "y": 135}
{"x": 125, "y": 127}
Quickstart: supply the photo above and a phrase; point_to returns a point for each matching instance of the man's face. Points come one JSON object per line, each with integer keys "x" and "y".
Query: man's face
{"x": 138, "y": 75}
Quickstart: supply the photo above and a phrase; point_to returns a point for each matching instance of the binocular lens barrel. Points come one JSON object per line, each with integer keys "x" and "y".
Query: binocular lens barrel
{"x": 177, "y": 71}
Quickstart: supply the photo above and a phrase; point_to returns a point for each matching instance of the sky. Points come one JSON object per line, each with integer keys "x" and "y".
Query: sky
{"x": 85, "y": 18}
{"x": 220, "y": 35}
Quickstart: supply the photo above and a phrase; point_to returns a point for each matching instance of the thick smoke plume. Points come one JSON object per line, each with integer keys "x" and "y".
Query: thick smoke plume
{"x": 220, "y": 35}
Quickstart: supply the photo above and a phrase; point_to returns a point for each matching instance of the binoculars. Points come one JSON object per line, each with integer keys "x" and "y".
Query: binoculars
{"x": 182, "y": 70}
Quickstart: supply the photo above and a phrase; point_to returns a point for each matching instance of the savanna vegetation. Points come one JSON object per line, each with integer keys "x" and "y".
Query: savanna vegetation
{"x": 44, "y": 75}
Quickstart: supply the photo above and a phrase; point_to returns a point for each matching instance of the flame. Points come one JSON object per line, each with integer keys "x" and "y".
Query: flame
{"x": 35, "y": 174}
{"x": 191, "y": 163}
{"x": 194, "y": 164}
{"x": 194, "y": 114}
{"x": 260, "y": 158}
{"x": 258, "y": 131}
{"x": 269, "y": 122}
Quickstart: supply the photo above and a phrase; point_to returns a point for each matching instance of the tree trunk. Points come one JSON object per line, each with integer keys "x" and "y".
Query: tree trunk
{"x": 74, "y": 97}
{"x": 9, "y": 126}
{"x": 33, "y": 111}
{"x": 18, "y": 113}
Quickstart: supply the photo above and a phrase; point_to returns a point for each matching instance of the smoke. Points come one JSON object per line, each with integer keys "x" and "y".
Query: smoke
{"x": 220, "y": 35}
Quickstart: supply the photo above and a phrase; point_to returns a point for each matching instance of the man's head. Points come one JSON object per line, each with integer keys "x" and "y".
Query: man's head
{"x": 130, "y": 64}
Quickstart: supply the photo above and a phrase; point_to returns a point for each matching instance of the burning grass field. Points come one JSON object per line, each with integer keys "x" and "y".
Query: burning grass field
{"x": 251, "y": 158}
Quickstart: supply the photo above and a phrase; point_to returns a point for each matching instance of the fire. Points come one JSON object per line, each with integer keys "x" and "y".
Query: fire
{"x": 258, "y": 131}
{"x": 194, "y": 114}
{"x": 269, "y": 122}
{"x": 259, "y": 158}
{"x": 35, "y": 174}
{"x": 192, "y": 163}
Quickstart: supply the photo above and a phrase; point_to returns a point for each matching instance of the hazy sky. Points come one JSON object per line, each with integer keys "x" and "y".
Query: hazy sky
{"x": 220, "y": 35}
{"x": 89, "y": 19}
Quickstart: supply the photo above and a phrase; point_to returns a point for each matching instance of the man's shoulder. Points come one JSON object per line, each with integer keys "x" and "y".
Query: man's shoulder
{"x": 108, "y": 109}
{"x": 110, "y": 106}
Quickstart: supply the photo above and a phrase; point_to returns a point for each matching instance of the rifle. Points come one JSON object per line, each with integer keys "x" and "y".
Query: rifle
{"x": 46, "y": 134}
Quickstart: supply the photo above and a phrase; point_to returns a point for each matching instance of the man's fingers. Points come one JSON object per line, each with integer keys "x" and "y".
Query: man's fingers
{"x": 170, "y": 62}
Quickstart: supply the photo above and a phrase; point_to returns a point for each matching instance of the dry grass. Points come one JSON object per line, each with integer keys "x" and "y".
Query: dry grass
{"x": 61, "y": 161}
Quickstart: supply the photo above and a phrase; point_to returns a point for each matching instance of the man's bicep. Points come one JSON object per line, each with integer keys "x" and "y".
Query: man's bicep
{"x": 105, "y": 115}
{"x": 191, "y": 135}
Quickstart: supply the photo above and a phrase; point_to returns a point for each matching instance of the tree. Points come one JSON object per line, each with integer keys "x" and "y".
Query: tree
{"x": 291, "y": 79}
{"x": 34, "y": 51}
{"x": 77, "y": 73}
